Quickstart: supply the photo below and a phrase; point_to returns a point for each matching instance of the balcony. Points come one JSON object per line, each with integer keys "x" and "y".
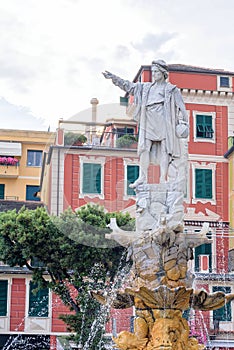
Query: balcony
{"x": 105, "y": 140}
{"x": 9, "y": 171}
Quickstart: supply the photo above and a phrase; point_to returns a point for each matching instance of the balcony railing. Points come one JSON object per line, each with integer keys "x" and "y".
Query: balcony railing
{"x": 107, "y": 140}
{"x": 10, "y": 171}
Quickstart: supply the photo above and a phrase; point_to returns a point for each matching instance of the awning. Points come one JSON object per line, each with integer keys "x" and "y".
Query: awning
{"x": 10, "y": 149}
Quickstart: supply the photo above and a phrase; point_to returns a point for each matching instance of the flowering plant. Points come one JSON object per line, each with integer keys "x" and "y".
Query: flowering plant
{"x": 8, "y": 161}
{"x": 198, "y": 332}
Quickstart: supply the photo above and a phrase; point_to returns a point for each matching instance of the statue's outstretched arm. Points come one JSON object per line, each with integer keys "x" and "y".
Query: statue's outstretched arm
{"x": 121, "y": 83}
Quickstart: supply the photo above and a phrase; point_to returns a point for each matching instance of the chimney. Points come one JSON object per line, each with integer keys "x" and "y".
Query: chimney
{"x": 94, "y": 102}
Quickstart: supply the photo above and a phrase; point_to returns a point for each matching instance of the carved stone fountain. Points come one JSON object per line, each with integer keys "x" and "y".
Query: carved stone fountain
{"x": 159, "y": 283}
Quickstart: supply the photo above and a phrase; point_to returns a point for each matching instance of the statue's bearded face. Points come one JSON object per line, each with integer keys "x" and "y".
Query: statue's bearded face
{"x": 169, "y": 334}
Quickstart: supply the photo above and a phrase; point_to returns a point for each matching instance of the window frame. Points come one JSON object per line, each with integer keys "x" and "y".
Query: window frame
{"x": 35, "y": 151}
{"x": 200, "y": 138}
{"x": 205, "y": 249}
{"x": 203, "y": 173}
{"x": 225, "y": 289}
{"x": 224, "y": 88}
{"x": 126, "y": 163}
{"x": 3, "y": 188}
{"x": 28, "y": 302}
{"x": 37, "y": 199}
{"x": 124, "y": 131}
{"x": 204, "y": 166}
{"x": 6, "y": 282}
{"x": 95, "y": 169}
{"x": 127, "y": 188}
{"x": 92, "y": 160}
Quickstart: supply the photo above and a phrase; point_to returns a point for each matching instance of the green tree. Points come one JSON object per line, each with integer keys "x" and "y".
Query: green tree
{"x": 72, "y": 250}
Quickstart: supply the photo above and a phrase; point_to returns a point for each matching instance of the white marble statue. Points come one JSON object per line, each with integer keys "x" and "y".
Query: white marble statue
{"x": 162, "y": 118}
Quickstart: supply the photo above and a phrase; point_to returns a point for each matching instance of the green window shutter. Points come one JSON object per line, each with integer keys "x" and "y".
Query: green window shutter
{"x": 198, "y": 183}
{"x": 30, "y": 193}
{"x": 204, "y": 249}
{"x": 123, "y": 101}
{"x": 132, "y": 175}
{"x": 204, "y": 126}
{"x": 208, "y": 183}
{"x": 203, "y": 183}
{"x": 225, "y": 312}
{"x": 91, "y": 178}
{"x": 2, "y": 191}
{"x": 38, "y": 302}
{"x": 3, "y": 297}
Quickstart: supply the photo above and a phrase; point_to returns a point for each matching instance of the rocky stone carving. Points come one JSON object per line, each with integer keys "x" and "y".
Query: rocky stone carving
{"x": 168, "y": 331}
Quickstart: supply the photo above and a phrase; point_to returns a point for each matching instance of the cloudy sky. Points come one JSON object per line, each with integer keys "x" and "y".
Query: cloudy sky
{"x": 53, "y": 51}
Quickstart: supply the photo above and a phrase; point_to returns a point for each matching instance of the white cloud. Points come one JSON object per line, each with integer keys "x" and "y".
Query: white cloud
{"x": 53, "y": 52}
{"x": 19, "y": 117}
{"x": 153, "y": 41}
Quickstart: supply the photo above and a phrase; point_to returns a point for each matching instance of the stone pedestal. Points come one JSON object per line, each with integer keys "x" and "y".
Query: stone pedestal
{"x": 159, "y": 204}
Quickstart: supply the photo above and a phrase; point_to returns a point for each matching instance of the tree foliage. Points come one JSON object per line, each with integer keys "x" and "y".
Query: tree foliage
{"x": 72, "y": 251}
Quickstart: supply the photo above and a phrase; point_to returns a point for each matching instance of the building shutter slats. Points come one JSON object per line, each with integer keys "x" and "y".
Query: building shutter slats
{"x": 38, "y": 301}
{"x": 2, "y": 191}
{"x": 225, "y": 312}
{"x": 3, "y": 297}
{"x": 204, "y": 249}
{"x": 91, "y": 178}
{"x": 132, "y": 175}
{"x": 203, "y": 183}
{"x": 204, "y": 126}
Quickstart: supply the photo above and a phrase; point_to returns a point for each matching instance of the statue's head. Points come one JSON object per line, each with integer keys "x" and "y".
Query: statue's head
{"x": 167, "y": 334}
{"x": 170, "y": 332}
{"x": 161, "y": 66}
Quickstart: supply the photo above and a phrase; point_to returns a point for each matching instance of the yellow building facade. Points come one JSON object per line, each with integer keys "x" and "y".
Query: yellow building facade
{"x": 21, "y": 154}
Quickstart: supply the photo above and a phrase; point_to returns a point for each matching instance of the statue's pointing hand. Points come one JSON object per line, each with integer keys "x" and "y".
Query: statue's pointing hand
{"x": 107, "y": 75}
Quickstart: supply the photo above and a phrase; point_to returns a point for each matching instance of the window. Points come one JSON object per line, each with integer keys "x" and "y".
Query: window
{"x": 38, "y": 301}
{"x": 30, "y": 193}
{"x": 132, "y": 175}
{"x": 35, "y": 262}
{"x": 123, "y": 101}
{"x": 34, "y": 158}
{"x": 225, "y": 312}
{"x": 3, "y": 297}
{"x": 224, "y": 82}
{"x": 203, "y": 183}
{"x": 204, "y": 126}
{"x": 203, "y": 256}
{"x": 2, "y": 191}
{"x": 124, "y": 131}
{"x": 91, "y": 178}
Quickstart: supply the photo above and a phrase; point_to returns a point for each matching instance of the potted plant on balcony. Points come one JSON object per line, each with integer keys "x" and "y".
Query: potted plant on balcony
{"x": 127, "y": 141}
{"x": 9, "y": 161}
{"x": 73, "y": 139}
